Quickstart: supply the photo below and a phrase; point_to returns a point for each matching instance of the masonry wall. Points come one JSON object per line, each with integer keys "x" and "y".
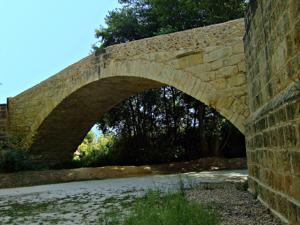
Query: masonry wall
{"x": 3, "y": 122}
{"x": 207, "y": 63}
{"x": 272, "y": 47}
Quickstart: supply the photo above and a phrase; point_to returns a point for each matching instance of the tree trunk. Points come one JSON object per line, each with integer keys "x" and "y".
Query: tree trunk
{"x": 175, "y": 119}
{"x": 203, "y": 139}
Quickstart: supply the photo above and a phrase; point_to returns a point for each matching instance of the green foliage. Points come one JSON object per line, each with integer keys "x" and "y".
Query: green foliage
{"x": 166, "y": 209}
{"x": 14, "y": 160}
{"x": 95, "y": 151}
{"x": 139, "y": 150}
{"x": 164, "y": 124}
{"x": 172, "y": 209}
{"x": 138, "y": 19}
{"x": 13, "y": 157}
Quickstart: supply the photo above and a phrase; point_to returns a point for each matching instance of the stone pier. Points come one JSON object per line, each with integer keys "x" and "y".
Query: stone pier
{"x": 272, "y": 48}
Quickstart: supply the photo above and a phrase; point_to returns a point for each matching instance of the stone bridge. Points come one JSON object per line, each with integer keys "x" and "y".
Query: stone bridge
{"x": 262, "y": 101}
{"x": 52, "y": 118}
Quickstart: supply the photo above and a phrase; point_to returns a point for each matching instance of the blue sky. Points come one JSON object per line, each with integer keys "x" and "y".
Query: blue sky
{"x": 39, "y": 38}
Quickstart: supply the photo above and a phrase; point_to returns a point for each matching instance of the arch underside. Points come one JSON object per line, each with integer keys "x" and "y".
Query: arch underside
{"x": 64, "y": 129}
{"x": 66, "y": 126}
{"x": 206, "y": 63}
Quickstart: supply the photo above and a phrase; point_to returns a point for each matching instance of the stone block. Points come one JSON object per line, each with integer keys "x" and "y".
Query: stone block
{"x": 215, "y": 65}
{"x": 282, "y": 205}
{"x": 295, "y": 188}
{"x": 293, "y": 110}
{"x": 233, "y": 60}
{"x": 220, "y": 84}
{"x": 267, "y": 141}
{"x": 292, "y": 212}
{"x": 281, "y": 136}
{"x": 237, "y": 80}
{"x": 274, "y": 138}
{"x": 294, "y": 67}
{"x": 271, "y": 119}
{"x": 238, "y": 48}
{"x": 280, "y": 115}
{"x": 259, "y": 141}
{"x": 227, "y": 71}
{"x": 297, "y": 35}
{"x": 242, "y": 67}
{"x": 294, "y": 9}
{"x": 295, "y": 162}
{"x": 290, "y": 136}
{"x": 215, "y": 55}
{"x": 189, "y": 60}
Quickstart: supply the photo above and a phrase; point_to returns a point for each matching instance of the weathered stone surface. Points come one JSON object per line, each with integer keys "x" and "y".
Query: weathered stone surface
{"x": 273, "y": 135}
{"x": 207, "y": 63}
{"x": 53, "y": 117}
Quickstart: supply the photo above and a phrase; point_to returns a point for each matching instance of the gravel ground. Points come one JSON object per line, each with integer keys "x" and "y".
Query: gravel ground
{"x": 236, "y": 206}
{"x": 89, "y": 202}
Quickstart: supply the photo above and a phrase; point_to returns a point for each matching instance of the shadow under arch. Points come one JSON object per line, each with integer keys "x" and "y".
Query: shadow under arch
{"x": 206, "y": 63}
{"x": 66, "y": 126}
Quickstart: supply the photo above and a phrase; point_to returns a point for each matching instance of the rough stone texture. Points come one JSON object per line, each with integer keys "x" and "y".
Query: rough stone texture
{"x": 3, "y": 123}
{"x": 272, "y": 48}
{"x": 207, "y": 63}
{"x": 233, "y": 204}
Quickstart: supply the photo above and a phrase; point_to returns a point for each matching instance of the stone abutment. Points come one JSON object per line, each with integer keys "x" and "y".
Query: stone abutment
{"x": 272, "y": 49}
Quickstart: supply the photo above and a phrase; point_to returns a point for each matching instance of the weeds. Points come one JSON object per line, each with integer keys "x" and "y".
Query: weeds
{"x": 164, "y": 209}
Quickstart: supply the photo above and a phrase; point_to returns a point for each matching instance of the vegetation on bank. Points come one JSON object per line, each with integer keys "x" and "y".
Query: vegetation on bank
{"x": 164, "y": 209}
{"x": 96, "y": 151}
{"x": 15, "y": 158}
{"x": 108, "y": 150}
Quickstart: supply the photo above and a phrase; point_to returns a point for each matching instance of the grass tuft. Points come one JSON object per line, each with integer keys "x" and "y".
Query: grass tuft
{"x": 166, "y": 209}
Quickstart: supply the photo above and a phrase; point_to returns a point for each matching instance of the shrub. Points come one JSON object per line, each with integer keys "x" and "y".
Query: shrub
{"x": 13, "y": 160}
{"x": 95, "y": 152}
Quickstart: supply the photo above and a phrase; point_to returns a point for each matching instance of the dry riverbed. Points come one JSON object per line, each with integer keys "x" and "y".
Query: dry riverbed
{"x": 233, "y": 203}
{"x": 91, "y": 202}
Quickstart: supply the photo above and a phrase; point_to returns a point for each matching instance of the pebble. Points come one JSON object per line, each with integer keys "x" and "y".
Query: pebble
{"x": 236, "y": 207}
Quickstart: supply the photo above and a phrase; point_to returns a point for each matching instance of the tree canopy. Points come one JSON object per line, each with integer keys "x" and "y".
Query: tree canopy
{"x": 164, "y": 124}
{"x": 138, "y": 19}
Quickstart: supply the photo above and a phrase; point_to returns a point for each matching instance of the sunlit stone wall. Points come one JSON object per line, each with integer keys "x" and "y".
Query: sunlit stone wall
{"x": 208, "y": 63}
{"x": 272, "y": 48}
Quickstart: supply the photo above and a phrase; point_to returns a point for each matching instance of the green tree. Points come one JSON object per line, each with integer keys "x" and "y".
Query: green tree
{"x": 164, "y": 124}
{"x": 90, "y": 137}
{"x": 138, "y": 19}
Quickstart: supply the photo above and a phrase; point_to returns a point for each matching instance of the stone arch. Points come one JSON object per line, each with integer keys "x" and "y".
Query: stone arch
{"x": 206, "y": 63}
